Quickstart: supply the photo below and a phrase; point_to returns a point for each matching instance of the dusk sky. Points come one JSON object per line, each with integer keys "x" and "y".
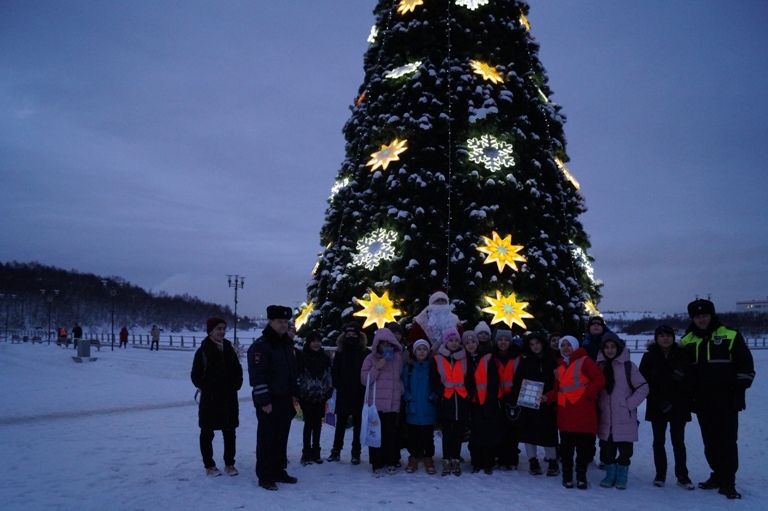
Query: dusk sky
{"x": 173, "y": 143}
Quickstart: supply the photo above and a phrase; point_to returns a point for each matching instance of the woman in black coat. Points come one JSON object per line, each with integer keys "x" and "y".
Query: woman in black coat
{"x": 666, "y": 367}
{"x": 217, "y": 373}
{"x": 537, "y": 426}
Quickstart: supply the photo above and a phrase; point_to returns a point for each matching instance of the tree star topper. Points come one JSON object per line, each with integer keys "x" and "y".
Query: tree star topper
{"x": 486, "y": 71}
{"x": 501, "y": 251}
{"x": 471, "y": 4}
{"x": 379, "y": 310}
{"x": 388, "y": 153}
{"x": 507, "y": 309}
{"x": 408, "y": 5}
{"x": 492, "y": 153}
{"x": 303, "y": 317}
{"x": 374, "y": 248}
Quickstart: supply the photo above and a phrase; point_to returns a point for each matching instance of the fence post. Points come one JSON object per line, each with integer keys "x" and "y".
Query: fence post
{"x": 182, "y": 341}
{"x": 170, "y": 343}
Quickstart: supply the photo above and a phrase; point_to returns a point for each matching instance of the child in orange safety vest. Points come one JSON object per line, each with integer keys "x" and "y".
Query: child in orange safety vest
{"x": 578, "y": 382}
{"x": 448, "y": 378}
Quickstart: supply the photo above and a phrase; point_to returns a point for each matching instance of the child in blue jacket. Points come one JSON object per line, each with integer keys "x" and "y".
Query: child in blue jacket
{"x": 421, "y": 413}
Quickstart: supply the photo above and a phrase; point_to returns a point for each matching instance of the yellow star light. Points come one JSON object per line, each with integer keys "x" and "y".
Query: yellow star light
{"x": 524, "y": 21}
{"x": 591, "y": 309}
{"x": 501, "y": 251}
{"x": 408, "y": 5}
{"x": 486, "y": 71}
{"x": 304, "y": 316}
{"x": 506, "y": 309}
{"x": 379, "y": 310}
{"x": 388, "y": 153}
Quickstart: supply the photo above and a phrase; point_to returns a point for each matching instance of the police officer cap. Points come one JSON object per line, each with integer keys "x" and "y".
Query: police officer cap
{"x": 698, "y": 307}
{"x": 279, "y": 312}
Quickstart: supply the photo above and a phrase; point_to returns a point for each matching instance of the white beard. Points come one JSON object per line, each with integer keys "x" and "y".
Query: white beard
{"x": 436, "y": 318}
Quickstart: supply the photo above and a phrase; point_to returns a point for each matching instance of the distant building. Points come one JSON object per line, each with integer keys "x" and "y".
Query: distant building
{"x": 752, "y": 306}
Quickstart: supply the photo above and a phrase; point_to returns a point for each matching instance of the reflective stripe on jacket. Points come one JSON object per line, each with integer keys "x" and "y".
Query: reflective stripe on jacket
{"x": 452, "y": 376}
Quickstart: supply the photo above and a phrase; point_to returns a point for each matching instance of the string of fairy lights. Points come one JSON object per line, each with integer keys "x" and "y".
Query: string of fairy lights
{"x": 490, "y": 152}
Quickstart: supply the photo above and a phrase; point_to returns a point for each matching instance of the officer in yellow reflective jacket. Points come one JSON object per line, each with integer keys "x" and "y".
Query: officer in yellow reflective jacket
{"x": 722, "y": 371}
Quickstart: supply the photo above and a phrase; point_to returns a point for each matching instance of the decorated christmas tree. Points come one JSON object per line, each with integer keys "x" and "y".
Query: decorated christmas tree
{"x": 454, "y": 179}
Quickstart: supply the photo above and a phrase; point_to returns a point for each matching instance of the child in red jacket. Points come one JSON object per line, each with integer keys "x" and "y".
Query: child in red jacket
{"x": 578, "y": 382}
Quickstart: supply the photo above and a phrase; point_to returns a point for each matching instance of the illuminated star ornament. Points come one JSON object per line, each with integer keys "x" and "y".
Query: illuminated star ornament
{"x": 490, "y": 152}
{"x": 403, "y": 70}
{"x": 590, "y": 308}
{"x": 501, "y": 251}
{"x": 408, "y": 5}
{"x": 378, "y": 310}
{"x": 471, "y": 4}
{"x": 374, "y": 248}
{"x": 486, "y": 71}
{"x": 524, "y": 21}
{"x": 338, "y": 186}
{"x": 303, "y": 317}
{"x": 388, "y": 153}
{"x": 506, "y": 309}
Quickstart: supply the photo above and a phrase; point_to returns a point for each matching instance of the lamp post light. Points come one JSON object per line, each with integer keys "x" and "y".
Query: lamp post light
{"x": 112, "y": 293}
{"x": 237, "y": 282}
{"x": 49, "y": 299}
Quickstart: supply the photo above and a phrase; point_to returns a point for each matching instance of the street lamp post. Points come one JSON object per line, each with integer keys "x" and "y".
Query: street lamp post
{"x": 49, "y": 299}
{"x": 237, "y": 282}
{"x": 112, "y": 293}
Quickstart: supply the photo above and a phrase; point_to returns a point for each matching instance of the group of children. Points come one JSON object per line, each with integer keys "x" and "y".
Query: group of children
{"x": 541, "y": 391}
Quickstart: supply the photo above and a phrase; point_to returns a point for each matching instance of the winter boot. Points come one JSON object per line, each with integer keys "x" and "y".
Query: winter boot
{"x": 713, "y": 483}
{"x": 355, "y": 457}
{"x": 446, "y": 467}
{"x": 533, "y": 467}
{"x": 456, "y": 467}
{"x": 729, "y": 490}
{"x": 622, "y": 474}
{"x": 429, "y": 465}
{"x": 316, "y": 456}
{"x": 413, "y": 464}
{"x": 553, "y": 468}
{"x": 685, "y": 482}
{"x": 581, "y": 480}
{"x": 334, "y": 456}
{"x": 609, "y": 481}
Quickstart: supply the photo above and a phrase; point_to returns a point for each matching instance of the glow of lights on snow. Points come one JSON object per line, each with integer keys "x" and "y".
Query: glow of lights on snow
{"x": 408, "y": 5}
{"x": 303, "y": 317}
{"x": 583, "y": 261}
{"x": 486, "y": 71}
{"x": 388, "y": 153}
{"x": 471, "y": 4}
{"x": 374, "y": 33}
{"x": 403, "y": 70}
{"x": 374, "y": 248}
{"x": 507, "y": 309}
{"x": 490, "y": 152}
{"x": 379, "y": 310}
{"x": 338, "y": 186}
{"x": 501, "y": 251}
{"x": 567, "y": 173}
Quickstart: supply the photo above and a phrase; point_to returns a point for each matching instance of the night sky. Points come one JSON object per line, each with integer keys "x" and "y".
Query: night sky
{"x": 173, "y": 143}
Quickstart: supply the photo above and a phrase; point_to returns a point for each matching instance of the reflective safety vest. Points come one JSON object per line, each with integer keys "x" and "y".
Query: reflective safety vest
{"x": 481, "y": 379}
{"x": 718, "y": 337}
{"x": 452, "y": 376}
{"x": 573, "y": 383}
{"x": 507, "y": 375}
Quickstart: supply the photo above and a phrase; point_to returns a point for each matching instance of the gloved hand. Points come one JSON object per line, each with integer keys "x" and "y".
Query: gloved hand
{"x": 678, "y": 375}
{"x": 666, "y": 407}
{"x": 739, "y": 402}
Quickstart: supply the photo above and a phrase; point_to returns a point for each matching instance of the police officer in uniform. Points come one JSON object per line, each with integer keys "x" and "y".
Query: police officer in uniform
{"x": 272, "y": 370}
{"x": 722, "y": 371}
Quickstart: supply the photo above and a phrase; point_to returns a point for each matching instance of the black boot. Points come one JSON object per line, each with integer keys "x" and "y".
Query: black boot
{"x": 533, "y": 467}
{"x": 316, "y": 456}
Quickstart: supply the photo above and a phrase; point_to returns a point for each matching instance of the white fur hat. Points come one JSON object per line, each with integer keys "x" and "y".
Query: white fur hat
{"x": 436, "y": 296}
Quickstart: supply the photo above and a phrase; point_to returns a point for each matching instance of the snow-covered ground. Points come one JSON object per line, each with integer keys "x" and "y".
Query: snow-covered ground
{"x": 121, "y": 433}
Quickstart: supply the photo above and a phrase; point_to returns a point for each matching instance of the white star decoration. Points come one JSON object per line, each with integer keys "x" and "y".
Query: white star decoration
{"x": 374, "y": 248}
{"x": 471, "y": 4}
{"x": 490, "y": 152}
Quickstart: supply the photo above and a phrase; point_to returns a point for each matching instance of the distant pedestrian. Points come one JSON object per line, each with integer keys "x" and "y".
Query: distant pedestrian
{"x": 77, "y": 333}
{"x": 124, "y": 338}
{"x": 217, "y": 373}
{"x": 723, "y": 370}
{"x": 155, "y": 333}
{"x": 273, "y": 372}
{"x": 62, "y": 341}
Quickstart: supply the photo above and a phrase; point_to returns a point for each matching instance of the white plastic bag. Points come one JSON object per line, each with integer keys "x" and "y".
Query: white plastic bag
{"x": 370, "y": 433}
